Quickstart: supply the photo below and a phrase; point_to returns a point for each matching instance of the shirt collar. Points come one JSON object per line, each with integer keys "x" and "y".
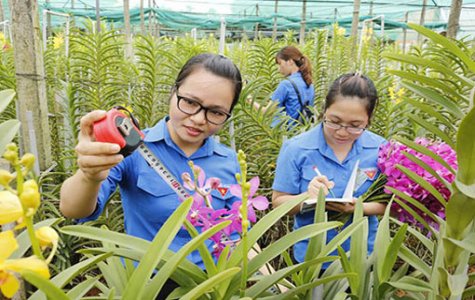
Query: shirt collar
{"x": 160, "y": 132}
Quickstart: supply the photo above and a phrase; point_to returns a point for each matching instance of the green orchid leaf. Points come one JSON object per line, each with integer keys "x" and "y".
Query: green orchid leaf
{"x": 162, "y": 240}
{"x": 67, "y": 276}
{"x": 300, "y": 290}
{"x": 435, "y": 96}
{"x": 269, "y": 280}
{"x": 468, "y": 243}
{"x": 44, "y": 285}
{"x": 415, "y": 261}
{"x": 209, "y": 284}
{"x": 466, "y": 153}
{"x": 281, "y": 245}
{"x": 9, "y": 130}
{"x": 261, "y": 227}
{"x": 412, "y": 284}
{"x": 459, "y": 213}
{"x": 6, "y": 96}
{"x": 446, "y": 43}
{"x": 392, "y": 252}
{"x": 152, "y": 290}
{"x": 425, "y": 151}
{"x": 126, "y": 241}
{"x": 81, "y": 289}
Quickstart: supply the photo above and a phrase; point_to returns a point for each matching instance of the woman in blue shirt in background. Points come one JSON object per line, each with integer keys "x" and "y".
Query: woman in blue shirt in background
{"x": 202, "y": 99}
{"x": 297, "y": 69}
{"x": 333, "y": 147}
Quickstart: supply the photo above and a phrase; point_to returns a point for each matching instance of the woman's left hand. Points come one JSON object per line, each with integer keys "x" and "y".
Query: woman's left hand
{"x": 346, "y": 207}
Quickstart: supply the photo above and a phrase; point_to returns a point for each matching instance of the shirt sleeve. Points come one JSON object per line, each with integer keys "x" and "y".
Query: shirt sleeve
{"x": 108, "y": 187}
{"x": 280, "y": 94}
{"x": 287, "y": 173}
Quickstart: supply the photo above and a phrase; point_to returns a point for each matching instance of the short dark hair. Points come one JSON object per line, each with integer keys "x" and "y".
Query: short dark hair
{"x": 353, "y": 84}
{"x": 216, "y": 64}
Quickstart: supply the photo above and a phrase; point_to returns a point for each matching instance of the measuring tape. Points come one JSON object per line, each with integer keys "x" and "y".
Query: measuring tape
{"x": 120, "y": 127}
{"x": 161, "y": 170}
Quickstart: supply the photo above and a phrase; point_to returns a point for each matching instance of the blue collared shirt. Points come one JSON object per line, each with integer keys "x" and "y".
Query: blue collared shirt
{"x": 287, "y": 98}
{"x": 148, "y": 201}
{"x": 295, "y": 170}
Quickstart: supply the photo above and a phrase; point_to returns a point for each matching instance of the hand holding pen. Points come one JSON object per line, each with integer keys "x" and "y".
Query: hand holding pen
{"x": 318, "y": 182}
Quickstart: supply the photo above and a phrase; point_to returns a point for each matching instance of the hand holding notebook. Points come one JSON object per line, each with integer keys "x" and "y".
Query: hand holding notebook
{"x": 309, "y": 204}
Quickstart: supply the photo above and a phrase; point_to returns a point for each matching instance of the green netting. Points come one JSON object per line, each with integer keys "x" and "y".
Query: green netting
{"x": 246, "y": 14}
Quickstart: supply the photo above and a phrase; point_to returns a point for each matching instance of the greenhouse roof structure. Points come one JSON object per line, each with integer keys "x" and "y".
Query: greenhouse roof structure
{"x": 245, "y": 14}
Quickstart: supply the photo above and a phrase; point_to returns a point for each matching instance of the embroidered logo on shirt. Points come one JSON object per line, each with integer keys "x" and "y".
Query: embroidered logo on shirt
{"x": 363, "y": 175}
{"x": 223, "y": 190}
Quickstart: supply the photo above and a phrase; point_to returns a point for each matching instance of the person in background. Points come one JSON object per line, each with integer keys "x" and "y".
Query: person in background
{"x": 296, "y": 90}
{"x": 202, "y": 99}
{"x": 333, "y": 147}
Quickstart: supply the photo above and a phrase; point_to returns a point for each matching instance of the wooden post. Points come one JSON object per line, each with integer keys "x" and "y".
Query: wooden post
{"x": 142, "y": 18}
{"x": 256, "y": 34}
{"x": 422, "y": 19}
{"x": 128, "y": 35}
{"x": 302, "y": 24}
{"x": 355, "y": 22}
{"x": 31, "y": 86}
{"x": 454, "y": 18}
{"x": 150, "y": 16}
{"x": 274, "y": 29}
{"x": 98, "y": 16}
{"x": 404, "y": 30}
{"x": 2, "y": 16}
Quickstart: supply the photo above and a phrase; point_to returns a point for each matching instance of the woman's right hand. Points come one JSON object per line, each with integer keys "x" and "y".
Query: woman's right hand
{"x": 317, "y": 183}
{"x": 95, "y": 159}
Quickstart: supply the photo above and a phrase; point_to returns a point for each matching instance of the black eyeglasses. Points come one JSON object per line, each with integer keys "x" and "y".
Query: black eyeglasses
{"x": 192, "y": 107}
{"x": 349, "y": 129}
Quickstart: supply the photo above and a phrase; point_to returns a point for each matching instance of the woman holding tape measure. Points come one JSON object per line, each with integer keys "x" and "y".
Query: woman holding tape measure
{"x": 325, "y": 156}
{"x": 202, "y": 99}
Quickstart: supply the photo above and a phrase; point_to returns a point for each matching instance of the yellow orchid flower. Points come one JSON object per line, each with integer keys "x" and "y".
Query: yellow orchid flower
{"x": 10, "y": 207}
{"x": 8, "y": 282}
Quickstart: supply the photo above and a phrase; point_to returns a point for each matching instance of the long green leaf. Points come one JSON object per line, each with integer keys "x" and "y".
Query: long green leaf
{"x": 124, "y": 240}
{"x": 70, "y": 273}
{"x": 466, "y": 155}
{"x": 427, "y": 63}
{"x": 280, "y": 246}
{"x": 267, "y": 281}
{"x": 435, "y": 96}
{"x": 9, "y": 130}
{"x": 415, "y": 261}
{"x": 136, "y": 287}
{"x": 45, "y": 286}
{"x": 408, "y": 283}
{"x": 6, "y": 96}
{"x": 264, "y": 224}
{"x": 77, "y": 292}
{"x": 423, "y": 183}
{"x": 428, "y": 168}
{"x": 170, "y": 266}
{"x": 421, "y": 149}
{"x": 446, "y": 43}
{"x": 434, "y": 129}
{"x": 303, "y": 288}
{"x": 210, "y": 283}
{"x": 391, "y": 254}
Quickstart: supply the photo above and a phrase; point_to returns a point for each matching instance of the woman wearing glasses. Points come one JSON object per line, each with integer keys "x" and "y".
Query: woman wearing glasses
{"x": 202, "y": 99}
{"x": 324, "y": 157}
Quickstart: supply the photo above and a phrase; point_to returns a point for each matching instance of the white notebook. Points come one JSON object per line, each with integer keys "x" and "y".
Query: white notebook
{"x": 309, "y": 204}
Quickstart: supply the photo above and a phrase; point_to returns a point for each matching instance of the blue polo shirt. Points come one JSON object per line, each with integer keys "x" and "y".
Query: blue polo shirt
{"x": 148, "y": 201}
{"x": 295, "y": 170}
{"x": 287, "y": 98}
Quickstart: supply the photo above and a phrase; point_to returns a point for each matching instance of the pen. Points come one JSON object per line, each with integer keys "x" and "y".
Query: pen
{"x": 320, "y": 174}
